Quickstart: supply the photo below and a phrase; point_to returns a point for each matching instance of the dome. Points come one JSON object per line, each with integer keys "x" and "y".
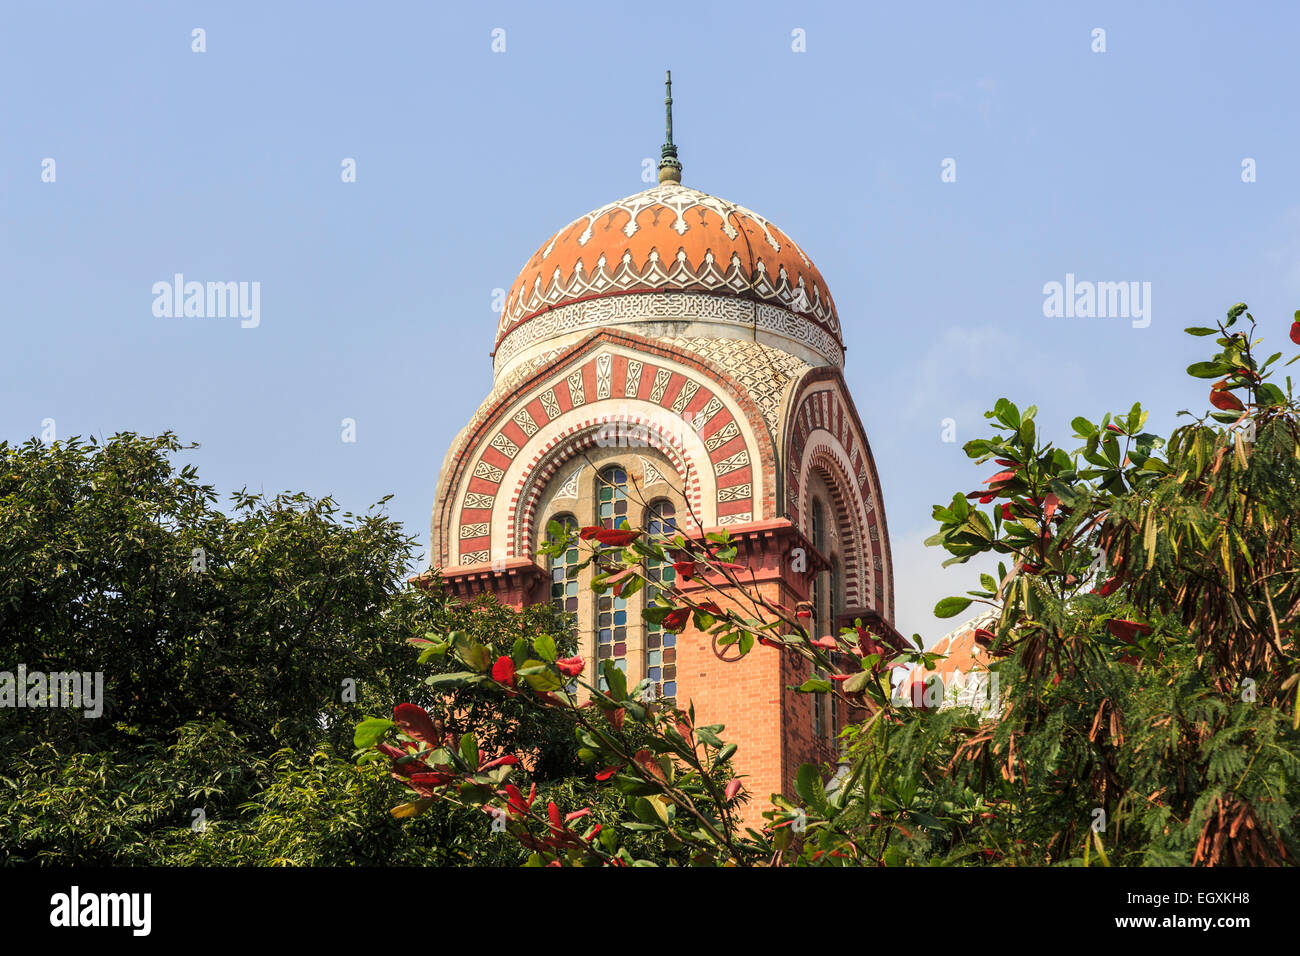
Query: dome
{"x": 671, "y": 239}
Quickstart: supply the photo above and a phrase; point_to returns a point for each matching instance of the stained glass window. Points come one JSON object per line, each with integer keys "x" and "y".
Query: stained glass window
{"x": 611, "y": 611}
{"x": 611, "y": 497}
{"x": 564, "y": 587}
{"x": 660, "y": 645}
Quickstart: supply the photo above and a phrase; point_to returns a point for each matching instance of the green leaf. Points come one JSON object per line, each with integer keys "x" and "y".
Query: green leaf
{"x": 616, "y": 680}
{"x": 469, "y": 750}
{"x": 808, "y": 784}
{"x": 1208, "y": 369}
{"x": 540, "y": 676}
{"x": 452, "y": 681}
{"x": 370, "y": 731}
{"x": 1200, "y": 330}
{"x": 1083, "y": 428}
{"x": 545, "y": 647}
{"x": 815, "y": 685}
{"x": 951, "y": 606}
{"x": 709, "y": 736}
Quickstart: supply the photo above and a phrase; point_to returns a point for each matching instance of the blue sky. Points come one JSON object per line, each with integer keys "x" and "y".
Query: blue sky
{"x": 376, "y": 295}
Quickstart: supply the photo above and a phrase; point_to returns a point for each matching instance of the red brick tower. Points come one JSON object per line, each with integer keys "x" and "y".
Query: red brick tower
{"x": 673, "y": 358}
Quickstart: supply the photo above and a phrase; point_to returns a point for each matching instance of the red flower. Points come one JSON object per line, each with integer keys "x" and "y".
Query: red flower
{"x": 675, "y": 620}
{"x": 570, "y": 666}
{"x": 1128, "y": 631}
{"x": 685, "y": 569}
{"x": 616, "y": 537}
{"x": 503, "y": 671}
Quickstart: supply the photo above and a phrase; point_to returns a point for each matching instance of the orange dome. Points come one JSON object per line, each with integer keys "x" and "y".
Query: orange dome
{"x": 673, "y": 239}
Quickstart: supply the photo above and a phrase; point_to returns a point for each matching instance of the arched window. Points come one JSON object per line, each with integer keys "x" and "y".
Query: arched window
{"x": 660, "y": 645}
{"x": 611, "y": 611}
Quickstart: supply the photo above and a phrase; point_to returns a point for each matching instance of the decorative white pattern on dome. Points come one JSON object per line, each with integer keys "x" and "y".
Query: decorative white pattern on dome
{"x": 678, "y": 199}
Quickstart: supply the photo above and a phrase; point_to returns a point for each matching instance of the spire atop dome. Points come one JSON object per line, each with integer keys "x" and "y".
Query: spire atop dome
{"x": 670, "y": 170}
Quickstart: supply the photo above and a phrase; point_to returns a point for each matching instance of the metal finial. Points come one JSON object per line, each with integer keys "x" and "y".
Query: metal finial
{"x": 670, "y": 170}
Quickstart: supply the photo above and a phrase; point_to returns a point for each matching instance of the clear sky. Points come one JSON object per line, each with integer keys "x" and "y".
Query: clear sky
{"x": 376, "y": 296}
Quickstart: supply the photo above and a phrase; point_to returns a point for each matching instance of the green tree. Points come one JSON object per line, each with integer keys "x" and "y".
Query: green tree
{"x": 229, "y": 644}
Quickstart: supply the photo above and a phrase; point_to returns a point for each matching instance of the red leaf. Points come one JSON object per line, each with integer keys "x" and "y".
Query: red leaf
{"x": 733, "y": 788}
{"x": 646, "y": 761}
{"x": 507, "y": 761}
{"x": 415, "y": 722}
{"x": 616, "y": 537}
{"x": 1127, "y": 631}
{"x": 589, "y": 532}
{"x": 608, "y": 772}
{"x": 1223, "y": 399}
{"x": 984, "y": 638}
{"x": 675, "y": 620}
{"x": 685, "y": 569}
{"x": 423, "y": 782}
{"x": 1295, "y": 332}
